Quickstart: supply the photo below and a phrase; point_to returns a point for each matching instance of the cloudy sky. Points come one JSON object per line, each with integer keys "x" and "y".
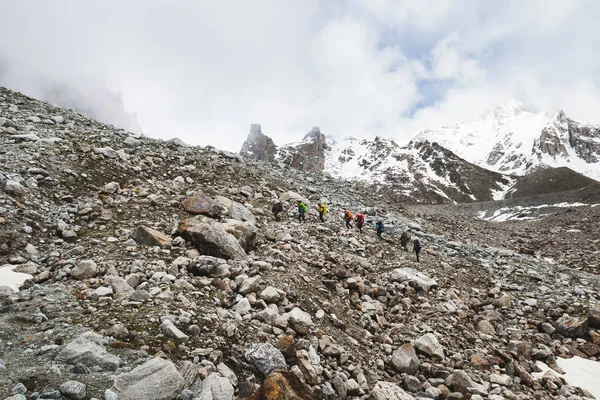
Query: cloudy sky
{"x": 205, "y": 70}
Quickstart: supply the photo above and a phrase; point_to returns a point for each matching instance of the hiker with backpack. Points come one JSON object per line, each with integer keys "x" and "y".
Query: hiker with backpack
{"x": 322, "y": 211}
{"x": 301, "y": 212}
{"x": 276, "y": 208}
{"x": 348, "y": 219}
{"x": 404, "y": 239}
{"x": 417, "y": 247}
{"x": 360, "y": 221}
{"x": 379, "y": 228}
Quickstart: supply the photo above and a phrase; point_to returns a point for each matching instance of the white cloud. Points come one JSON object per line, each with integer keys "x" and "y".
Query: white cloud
{"x": 204, "y": 71}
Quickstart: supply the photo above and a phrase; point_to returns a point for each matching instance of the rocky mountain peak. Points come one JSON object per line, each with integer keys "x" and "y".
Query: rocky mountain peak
{"x": 258, "y": 146}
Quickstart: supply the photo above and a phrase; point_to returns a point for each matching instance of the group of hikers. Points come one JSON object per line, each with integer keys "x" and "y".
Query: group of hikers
{"x": 359, "y": 219}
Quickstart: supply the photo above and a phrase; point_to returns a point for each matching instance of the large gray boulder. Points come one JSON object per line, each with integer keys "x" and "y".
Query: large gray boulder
{"x": 216, "y": 387}
{"x": 244, "y": 232}
{"x": 238, "y": 212}
{"x": 389, "y": 391}
{"x": 211, "y": 238}
{"x": 405, "y": 359}
{"x": 86, "y": 269}
{"x": 419, "y": 279}
{"x": 88, "y": 350}
{"x": 266, "y": 358}
{"x": 156, "y": 379}
{"x": 429, "y": 345}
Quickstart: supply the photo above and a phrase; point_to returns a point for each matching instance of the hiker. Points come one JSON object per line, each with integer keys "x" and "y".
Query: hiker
{"x": 301, "y": 212}
{"x": 348, "y": 219}
{"x": 360, "y": 220}
{"x": 379, "y": 228}
{"x": 416, "y": 247}
{"x": 276, "y": 208}
{"x": 404, "y": 239}
{"x": 322, "y": 211}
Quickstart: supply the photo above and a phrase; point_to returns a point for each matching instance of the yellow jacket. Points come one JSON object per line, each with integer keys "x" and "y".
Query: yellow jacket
{"x": 323, "y": 209}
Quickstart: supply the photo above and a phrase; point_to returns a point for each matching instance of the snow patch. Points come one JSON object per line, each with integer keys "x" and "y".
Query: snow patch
{"x": 12, "y": 279}
{"x": 520, "y": 213}
{"x": 581, "y": 372}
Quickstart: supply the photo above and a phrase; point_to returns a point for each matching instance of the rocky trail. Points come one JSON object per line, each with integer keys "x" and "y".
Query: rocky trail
{"x": 157, "y": 271}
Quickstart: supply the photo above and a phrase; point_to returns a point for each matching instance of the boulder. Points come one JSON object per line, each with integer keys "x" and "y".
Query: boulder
{"x": 461, "y": 382}
{"x": 484, "y": 326}
{"x": 88, "y": 350}
{"x": 211, "y": 238}
{"x": 205, "y": 265}
{"x": 216, "y": 387}
{"x": 389, "y": 391}
{"x": 593, "y": 316}
{"x": 238, "y": 212}
{"x": 73, "y": 390}
{"x": 14, "y": 188}
{"x": 429, "y": 345}
{"x": 283, "y": 386}
{"x": 266, "y": 358}
{"x": 301, "y": 321}
{"x": 111, "y": 188}
{"x": 571, "y": 327}
{"x": 405, "y": 359}
{"x": 156, "y": 379}
{"x": 249, "y": 285}
{"x": 86, "y": 269}
{"x": 150, "y": 237}
{"x": 420, "y": 280}
{"x": 170, "y": 330}
{"x": 244, "y": 232}
{"x": 200, "y": 204}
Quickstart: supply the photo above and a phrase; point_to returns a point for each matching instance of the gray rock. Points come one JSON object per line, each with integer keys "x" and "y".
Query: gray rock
{"x": 244, "y": 232}
{"x": 205, "y": 265}
{"x": 429, "y": 345}
{"x": 249, "y": 285}
{"x": 14, "y": 188}
{"x": 266, "y": 358}
{"x": 169, "y": 329}
{"x": 486, "y": 327}
{"x": 420, "y": 280}
{"x": 88, "y": 350}
{"x": 301, "y": 321}
{"x": 243, "y": 306}
{"x": 107, "y": 152}
{"x": 156, "y": 379}
{"x": 216, "y": 387}
{"x": 405, "y": 359}
{"x": 131, "y": 142}
{"x": 86, "y": 269}
{"x": 118, "y": 285}
{"x": 461, "y": 382}
{"x": 270, "y": 295}
{"x": 111, "y": 188}
{"x": 19, "y": 388}
{"x": 73, "y": 390}
{"x": 389, "y": 391}
{"x": 59, "y": 119}
{"x": 239, "y": 212}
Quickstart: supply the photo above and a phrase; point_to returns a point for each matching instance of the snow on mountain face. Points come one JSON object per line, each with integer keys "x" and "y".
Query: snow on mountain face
{"x": 420, "y": 170}
{"x": 516, "y": 141}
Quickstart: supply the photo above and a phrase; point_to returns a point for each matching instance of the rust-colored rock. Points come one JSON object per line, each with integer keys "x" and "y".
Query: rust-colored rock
{"x": 150, "y": 237}
{"x": 200, "y": 204}
{"x": 282, "y": 386}
{"x": 287, "y": 346}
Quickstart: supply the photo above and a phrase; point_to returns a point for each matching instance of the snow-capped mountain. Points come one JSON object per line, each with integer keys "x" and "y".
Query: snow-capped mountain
{"x": 514, "y": 140}
{"x": 422, "y": 171}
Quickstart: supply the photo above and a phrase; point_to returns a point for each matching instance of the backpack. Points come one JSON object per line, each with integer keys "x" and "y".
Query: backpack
{"x": 277, "y": 207}
{"x": 417, "y": 245}
{"x": 302, "y": 207}
{"x": 379, "y": 226}
{"x": 349, "y": 215}
{"x": 360, "y": 218}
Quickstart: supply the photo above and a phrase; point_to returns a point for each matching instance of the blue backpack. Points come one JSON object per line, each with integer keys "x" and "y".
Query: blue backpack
{"x": 379, "y": 226}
